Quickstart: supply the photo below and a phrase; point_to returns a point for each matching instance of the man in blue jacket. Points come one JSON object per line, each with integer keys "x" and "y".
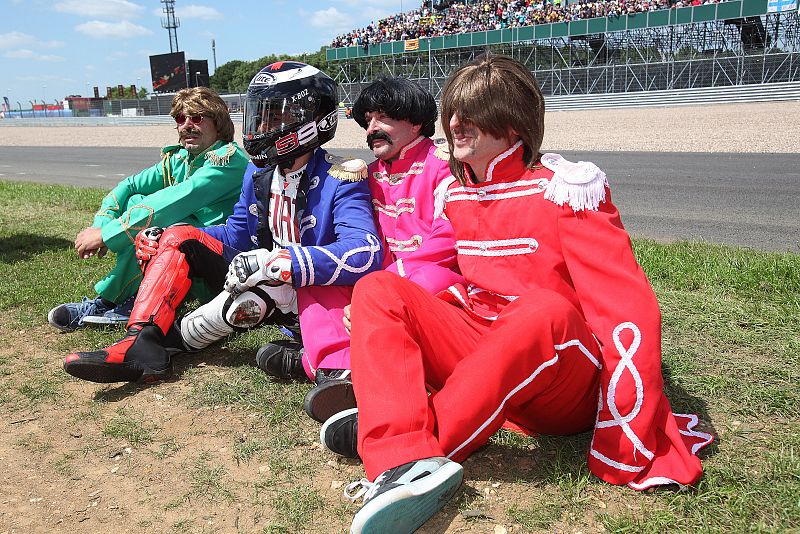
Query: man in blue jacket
{"x": 301, "y": 221}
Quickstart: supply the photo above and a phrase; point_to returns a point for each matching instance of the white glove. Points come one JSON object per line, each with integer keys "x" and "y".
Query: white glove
{"x": 260, "y": 266}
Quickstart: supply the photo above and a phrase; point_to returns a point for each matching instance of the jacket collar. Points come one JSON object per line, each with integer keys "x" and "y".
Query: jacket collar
{"x": 506, "y": 165}
{"x": 408, "y": 151}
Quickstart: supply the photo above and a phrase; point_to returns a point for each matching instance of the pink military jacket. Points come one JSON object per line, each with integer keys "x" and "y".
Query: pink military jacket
{"x": 418, "y": 245}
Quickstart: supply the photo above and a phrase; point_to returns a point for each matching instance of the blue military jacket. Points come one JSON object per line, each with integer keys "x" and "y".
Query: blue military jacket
{"x": 338, "y": 240}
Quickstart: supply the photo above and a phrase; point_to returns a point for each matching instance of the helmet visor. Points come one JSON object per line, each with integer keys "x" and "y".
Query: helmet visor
{"x": 276, "y": 114}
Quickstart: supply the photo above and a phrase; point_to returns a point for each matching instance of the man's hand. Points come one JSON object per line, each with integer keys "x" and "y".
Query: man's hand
{"x": 147, "y": 244}
{"x": 90, "y": 242}
{"x": 248, "y": 269}
{"x": 346, "y": 319}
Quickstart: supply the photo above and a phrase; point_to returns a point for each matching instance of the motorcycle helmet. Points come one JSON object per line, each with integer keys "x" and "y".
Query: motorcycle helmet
{"x": 290, "y": 110}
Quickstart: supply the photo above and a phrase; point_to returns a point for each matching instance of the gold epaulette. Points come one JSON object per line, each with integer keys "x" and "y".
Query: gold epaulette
{"x": 221, "y": 156}
{"x": 353, "y": 170}
{"x": 442, "y": 151}
{"x": 170, "y": 149}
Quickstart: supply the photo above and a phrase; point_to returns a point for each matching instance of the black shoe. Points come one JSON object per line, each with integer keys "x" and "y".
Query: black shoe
{"x": 326, "y": 375}
{"x": 403, "y": 498}
{"x": 139, "y": 356}
{"x": 330, "y": 396}
{"x": 339, "y": 434}
{"x": 282, "y": 359}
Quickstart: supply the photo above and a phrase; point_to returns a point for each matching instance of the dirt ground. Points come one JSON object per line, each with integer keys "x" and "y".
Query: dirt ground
{"x": 88, "y": 458}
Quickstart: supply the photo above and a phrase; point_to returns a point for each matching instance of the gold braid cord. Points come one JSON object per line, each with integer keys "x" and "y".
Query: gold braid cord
{"x": 110, "y": 211}
{"x": 130, "y": 230}
{"x": 166, "y": 169}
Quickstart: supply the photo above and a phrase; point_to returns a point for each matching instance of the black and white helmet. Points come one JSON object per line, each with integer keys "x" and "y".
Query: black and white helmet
{"x": 290, "y": 110}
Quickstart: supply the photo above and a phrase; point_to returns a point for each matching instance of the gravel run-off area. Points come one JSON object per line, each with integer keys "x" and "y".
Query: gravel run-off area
{"x": 757, "y": 127}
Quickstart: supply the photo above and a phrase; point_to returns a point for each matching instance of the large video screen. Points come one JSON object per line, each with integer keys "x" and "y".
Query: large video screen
{"x": 168, "y": 72}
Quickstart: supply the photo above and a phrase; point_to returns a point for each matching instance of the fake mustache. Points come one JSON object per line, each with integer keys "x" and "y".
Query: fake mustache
{"x": 380, "y": 134}
{"x": 187, "y": 133}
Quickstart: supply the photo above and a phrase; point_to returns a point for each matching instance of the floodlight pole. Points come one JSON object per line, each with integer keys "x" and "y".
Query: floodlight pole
{"x": 171, "y": 23}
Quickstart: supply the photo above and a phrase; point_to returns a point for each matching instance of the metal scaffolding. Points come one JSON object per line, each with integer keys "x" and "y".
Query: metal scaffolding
{"x": 749, "y": 50}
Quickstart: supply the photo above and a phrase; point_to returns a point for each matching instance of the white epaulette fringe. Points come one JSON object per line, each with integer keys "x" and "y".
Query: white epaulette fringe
{"x": 582, "y": 185}
{"x": 440, "y": 196}
{"x": 442, "y": 151}
{"x": 353, "y": 170}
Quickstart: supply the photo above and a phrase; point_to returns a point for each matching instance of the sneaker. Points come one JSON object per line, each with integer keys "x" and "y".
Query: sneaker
{"x": 332, "y": 394}
{"x": 72, "y": 315}
{"x": 117, "y": 315}
{"x": 339, "y": 434}
{"x": 282, "y": 359}
{"x": 402, "y": 499}
{"x": 139, "y": 356}
{"x": 326, "y": 375}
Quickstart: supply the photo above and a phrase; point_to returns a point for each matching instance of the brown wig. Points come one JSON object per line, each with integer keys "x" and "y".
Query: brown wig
{"x": 203, "y": 101}
{"x": 495, "y": 93}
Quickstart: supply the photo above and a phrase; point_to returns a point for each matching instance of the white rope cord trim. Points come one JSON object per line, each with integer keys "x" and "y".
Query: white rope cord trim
{"x": 499, "y": 409}
{"x": 403, "y": 205}
{"x": 341, "y": 263}
{"x": 500, "y": 158}
{"x": 626, "y": 363}
{"x": 500, "y": 247}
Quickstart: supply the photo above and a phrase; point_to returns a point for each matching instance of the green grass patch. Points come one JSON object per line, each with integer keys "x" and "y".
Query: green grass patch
{"x": 209, "y": 480}
{"x": 295, "y": 507}
{"x": 130, "y": 427}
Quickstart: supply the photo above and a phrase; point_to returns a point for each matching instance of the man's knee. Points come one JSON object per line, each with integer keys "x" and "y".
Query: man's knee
{"x": 176, "y": 234}
{"x": 542, "y": 304}
{"x": 375, "y": 288}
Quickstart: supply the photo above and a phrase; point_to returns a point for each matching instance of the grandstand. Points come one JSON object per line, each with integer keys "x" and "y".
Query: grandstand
{"x": 711, "y": 45}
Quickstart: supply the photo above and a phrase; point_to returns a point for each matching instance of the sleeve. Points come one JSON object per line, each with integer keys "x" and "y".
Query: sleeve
{"x": 434, "y": 264}
{"x": 234, "y": 232}
{"x": 171, "y": 204}
{"x": 357, "y": 249}
{"x": 145, "y": 182}
{"x": 635, "y": 432}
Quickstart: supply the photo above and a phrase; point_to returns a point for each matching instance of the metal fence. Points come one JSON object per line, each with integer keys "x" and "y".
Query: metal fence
{"x": 774, "y": 92}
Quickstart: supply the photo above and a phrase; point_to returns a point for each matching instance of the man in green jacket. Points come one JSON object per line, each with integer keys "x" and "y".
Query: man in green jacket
{"x": 197, "y": 182}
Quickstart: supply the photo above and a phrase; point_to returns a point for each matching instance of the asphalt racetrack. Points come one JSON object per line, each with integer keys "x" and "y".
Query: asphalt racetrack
{"x": 750, "y": 200}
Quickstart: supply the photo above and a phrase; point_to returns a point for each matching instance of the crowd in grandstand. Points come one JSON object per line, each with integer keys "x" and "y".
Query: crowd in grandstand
{"x": 495, "y": 15}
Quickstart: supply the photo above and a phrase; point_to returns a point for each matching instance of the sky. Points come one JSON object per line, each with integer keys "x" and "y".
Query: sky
{"x": 53, "y": 48}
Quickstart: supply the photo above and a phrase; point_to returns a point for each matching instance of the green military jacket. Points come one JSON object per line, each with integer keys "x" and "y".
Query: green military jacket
{"x": 200, "y": 190}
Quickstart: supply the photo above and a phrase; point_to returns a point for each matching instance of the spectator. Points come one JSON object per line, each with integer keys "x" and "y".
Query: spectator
{"x": 476, "y": 16}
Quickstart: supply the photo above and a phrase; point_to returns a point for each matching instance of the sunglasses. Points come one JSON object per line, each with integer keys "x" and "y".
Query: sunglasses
{"x": 180, "y": 119}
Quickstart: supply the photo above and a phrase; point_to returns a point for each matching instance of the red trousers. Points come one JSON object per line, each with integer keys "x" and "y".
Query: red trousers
{"x": 535, "y": 365}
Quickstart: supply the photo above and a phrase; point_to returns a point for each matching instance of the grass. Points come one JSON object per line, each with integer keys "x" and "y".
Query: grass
{"x": 731, "y": 352}
{"x": 129, "y": 427}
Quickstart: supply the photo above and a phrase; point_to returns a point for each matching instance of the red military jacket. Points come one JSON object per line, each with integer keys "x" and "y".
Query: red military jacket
{"x": 555, "y": 227}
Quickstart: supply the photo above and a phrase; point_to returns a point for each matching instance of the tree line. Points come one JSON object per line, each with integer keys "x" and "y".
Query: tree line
{"x": 234, "y": 76}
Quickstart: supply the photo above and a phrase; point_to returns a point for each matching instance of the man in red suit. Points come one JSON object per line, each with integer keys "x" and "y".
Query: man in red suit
{"x": 556, "y": 329}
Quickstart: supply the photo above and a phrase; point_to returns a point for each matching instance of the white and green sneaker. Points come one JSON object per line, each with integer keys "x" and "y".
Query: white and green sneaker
{"x": 403, "y": 498}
